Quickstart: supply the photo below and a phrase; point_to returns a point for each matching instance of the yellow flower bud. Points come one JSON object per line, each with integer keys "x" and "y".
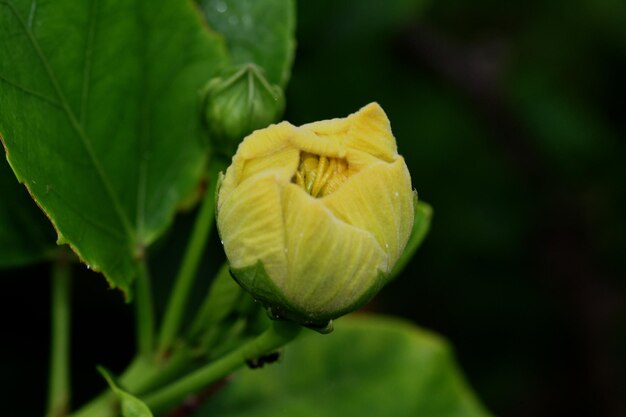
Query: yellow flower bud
{"x": 313, "y": 218}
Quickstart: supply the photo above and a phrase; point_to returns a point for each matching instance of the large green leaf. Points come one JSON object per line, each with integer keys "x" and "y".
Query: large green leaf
{"x": 369, "y": 366}
{"x": 25, "y": 235}
{"x": 100, "y": 117}
{"x": 257, "y": 31}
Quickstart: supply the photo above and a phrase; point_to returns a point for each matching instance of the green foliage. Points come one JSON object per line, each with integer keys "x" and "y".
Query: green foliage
{"x": 103, "y": 123}
{"x": 256, "y": 31}
{"x": 220, "y": 302}
{"x": 370, "y": 366}
{"x": 511, "y": 118}
{"x": 25, "y": 235}
{"x": 130, "y": 405}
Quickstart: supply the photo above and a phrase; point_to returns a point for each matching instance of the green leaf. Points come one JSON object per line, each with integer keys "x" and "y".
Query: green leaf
{"x": 100, "y": 117}
{"x": 130, "y": 405}
{"x": 257, "y": 31}
{"x": 25, "y": 235}
{"x": 370, "y": 366}
{"x": 421, "y": 225}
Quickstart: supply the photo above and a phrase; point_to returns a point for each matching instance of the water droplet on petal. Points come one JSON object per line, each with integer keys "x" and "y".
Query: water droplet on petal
{"x": 397, "y": 194}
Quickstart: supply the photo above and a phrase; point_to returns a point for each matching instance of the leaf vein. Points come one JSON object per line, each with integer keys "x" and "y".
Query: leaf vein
{"x": 93, "y": 222}
{"x": 74, "y": 122}
{"x": 88, "y": 60}
{"x": 144, "y": 131}
{"x": 31, "y": 15}
{"x": 30, "y": 92}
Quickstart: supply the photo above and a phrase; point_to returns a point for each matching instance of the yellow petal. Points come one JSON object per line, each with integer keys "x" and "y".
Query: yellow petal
{"x": 251, "y": 225}
{"x": 370, "y": 131}
{"x": 378, "y": 199}
{"x": 330, "y": 263}
{"x": 359, "y": 160}
{"x": 326, "y": 145}
{"x": 282, "y": 163}
{"x": 259, "y": 144}
{"x": 328, "y": 127}
{"x": 266, "y": 141}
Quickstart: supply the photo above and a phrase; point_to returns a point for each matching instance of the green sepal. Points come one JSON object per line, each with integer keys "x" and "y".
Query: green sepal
{"x": 130, "y": 405}
{"x": 421, "y": 226}
{"x": 238, "y": 102}
{"x": 218, "y": 186}
{"x": 255, "y": 280}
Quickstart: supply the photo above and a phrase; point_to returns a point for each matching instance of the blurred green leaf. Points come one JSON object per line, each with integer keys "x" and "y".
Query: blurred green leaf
{"x": 257, "y": 31}
{"x": 101, "y": 117}
{"x": 25, "y": 235}
{"x": 370, "y": 366}
{"x": 130, "y": 405}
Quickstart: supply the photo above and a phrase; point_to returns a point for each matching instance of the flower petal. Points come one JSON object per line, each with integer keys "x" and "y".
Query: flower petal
{"x": 259, "y": 144}
{"x": 282, "y": 163}
{"x": 251, "y": 225}
{"x": 343, "y": 261}
{"x": 326, "y": 145}
{"x": 328, "y": 127}
{"x": 370, "y": 131}
{"x": 378, "y": 199}
{"x": 266, "y": 141}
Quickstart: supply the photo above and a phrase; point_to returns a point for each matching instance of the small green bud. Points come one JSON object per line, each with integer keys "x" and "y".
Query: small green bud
{"x": 238, "y": 102}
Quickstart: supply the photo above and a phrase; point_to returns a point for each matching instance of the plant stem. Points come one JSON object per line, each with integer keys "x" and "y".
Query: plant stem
{"x": 142, "y": 375}
{"x": 189, "y": 266}
{"x": 279, "y": 334}
{"x": 144, "y": 311}
{"x": 204, "y": 316}
{"x": 59, "y": 382}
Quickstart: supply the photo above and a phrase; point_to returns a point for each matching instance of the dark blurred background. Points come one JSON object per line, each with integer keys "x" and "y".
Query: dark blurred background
{"x": 511, "y": 118}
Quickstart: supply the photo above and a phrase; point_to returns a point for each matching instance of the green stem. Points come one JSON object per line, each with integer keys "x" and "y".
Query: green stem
{"x": 279, "y": 334}
{"x": 206, "y": 310}
{"x": 144, "y": 311}
{"x": 186, "y": 275}
{"x": 101, "y": 406}
{"x": 59, "y": 382}
{"x": 141, "y": 376}
{"x": 104, "y": 404}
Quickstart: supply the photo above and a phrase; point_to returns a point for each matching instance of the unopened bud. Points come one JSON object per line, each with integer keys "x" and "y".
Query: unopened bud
{"x": 238, "y": 102}
{"x": 314, "y": 218}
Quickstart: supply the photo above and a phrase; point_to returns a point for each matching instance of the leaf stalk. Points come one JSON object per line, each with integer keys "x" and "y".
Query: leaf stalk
{"x": 59, "y": 376}
{"x": 185, "y": 278}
